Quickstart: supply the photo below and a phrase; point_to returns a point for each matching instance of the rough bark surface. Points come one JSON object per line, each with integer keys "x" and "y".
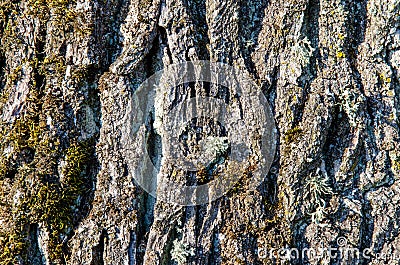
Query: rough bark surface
{"x": 69, "y": 71}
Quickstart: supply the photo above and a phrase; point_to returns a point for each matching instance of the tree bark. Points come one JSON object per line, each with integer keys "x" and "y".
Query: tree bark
{"x": 69, "y": 73}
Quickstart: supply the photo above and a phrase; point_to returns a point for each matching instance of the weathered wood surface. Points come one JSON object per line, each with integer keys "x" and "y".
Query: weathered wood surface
{"x": 70, "y": 68}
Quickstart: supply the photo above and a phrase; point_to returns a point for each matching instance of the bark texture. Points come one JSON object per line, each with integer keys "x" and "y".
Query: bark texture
{"x": 69, "y": 71}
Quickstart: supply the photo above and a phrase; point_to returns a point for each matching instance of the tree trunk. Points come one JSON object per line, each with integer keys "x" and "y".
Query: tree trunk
{"x": 70, "y": 74}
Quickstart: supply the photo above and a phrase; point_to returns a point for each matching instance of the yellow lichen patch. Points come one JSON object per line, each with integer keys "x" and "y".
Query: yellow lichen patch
{"x": 340, "y": 55}
{"x": 292, "y": 135}
{"x": 396, "y": 164}
{"x": 385, "y": 79}
{"x": 390, "y": 93}
{"x": 202, "y": 176}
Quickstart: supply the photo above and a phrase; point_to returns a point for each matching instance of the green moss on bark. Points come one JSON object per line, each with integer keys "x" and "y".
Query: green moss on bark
{"x": 41, "y": 192}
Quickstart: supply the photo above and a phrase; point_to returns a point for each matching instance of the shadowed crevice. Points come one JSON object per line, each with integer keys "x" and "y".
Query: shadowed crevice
{"x": 310, "y": 30}
{"x": 98, "y": 251}
{"x": 34, "y": 252}
{"x": 251, "y": 14}
{"x": 197, "y": 12}
{"x": 106, "y": 35}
